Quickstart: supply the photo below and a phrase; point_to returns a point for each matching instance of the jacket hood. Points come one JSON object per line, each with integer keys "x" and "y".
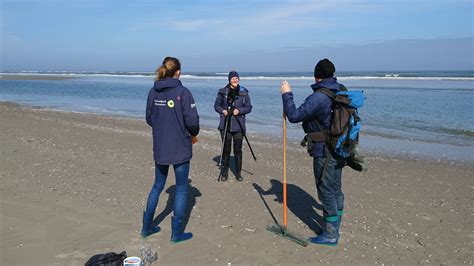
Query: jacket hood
{"x": 166, "y": 83}
{"x": 329, "y": 83}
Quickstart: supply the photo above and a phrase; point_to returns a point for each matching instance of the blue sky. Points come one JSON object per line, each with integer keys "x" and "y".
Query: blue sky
{"x": 216, "y": 35}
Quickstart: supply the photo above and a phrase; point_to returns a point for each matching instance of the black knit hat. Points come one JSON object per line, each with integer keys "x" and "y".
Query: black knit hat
{"x": 233, "y": 74}
{"x": 324, "y": 69}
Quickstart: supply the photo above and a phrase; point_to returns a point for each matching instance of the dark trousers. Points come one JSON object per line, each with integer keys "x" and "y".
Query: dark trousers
{"x": 237, "y": 138}
{"x": 329, "y": 186}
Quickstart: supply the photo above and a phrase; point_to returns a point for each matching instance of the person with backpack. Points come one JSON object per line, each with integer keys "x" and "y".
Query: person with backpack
{"x": 316, "y": 115}
{"x": 232, "y": 104}
{"x": 171, "y": 112}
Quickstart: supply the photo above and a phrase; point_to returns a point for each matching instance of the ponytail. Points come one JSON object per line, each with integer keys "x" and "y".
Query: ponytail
{"x": 160, "y": 72}
{"x": 168, "y": 68}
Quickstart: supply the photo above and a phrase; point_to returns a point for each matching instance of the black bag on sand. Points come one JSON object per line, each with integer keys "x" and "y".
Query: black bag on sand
{"x": 108, "y": 259}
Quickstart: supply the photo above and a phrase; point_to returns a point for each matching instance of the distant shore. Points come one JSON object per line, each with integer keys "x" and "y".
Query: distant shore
{"x": 33, "y": 77}
{"x": 74, "y": 185}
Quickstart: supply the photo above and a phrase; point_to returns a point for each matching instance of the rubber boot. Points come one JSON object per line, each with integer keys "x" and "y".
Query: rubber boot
{"x": 330, "y": 235}
{"x": 238, "y": 164}
{"x": 177, "y": 233}
{"x": 148, "y": 228}
{"x": 225, "y": 168}
{"x": 339, "y": 221}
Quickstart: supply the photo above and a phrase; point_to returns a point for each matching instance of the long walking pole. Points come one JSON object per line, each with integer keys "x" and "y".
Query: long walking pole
{"x": 282, "y": 230}
{"x": 224, "y": 139}
{"x": 226, "y": 122}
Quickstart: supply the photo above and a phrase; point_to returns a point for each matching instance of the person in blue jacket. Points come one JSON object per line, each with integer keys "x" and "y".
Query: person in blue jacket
{"x": 317, "y": 109}
{"x": 171, "y": 113}
{"x": 235, "y": 99}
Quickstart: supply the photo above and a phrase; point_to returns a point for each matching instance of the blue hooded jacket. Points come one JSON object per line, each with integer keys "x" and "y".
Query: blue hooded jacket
{"x": 316, "y": 106}
{"x": 172, "y": 114}
{"x": 241, "y": 103}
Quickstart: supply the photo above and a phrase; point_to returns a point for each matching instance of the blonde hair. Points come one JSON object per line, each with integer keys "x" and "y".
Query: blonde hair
{"x": 168, "y": 68}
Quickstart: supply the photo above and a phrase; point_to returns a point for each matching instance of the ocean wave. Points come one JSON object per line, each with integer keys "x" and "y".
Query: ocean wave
{"x": 244, "y": 77}
{"x": 75, "y": 74}
{"x": 222, "y": 76}
{"x": 394, "y": 77}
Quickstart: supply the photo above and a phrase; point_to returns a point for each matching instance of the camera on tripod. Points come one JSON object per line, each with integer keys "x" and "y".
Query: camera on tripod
{"x": 231, "y": 96}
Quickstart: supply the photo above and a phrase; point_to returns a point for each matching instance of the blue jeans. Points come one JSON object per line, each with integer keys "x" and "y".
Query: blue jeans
{"x": 329, "y": 187}
{"x": 181, "y": 172}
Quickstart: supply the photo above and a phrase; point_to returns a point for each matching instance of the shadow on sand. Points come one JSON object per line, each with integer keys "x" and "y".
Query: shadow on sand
{"x": 299, "y": 202}
{"x": 193, "y": 193}
{"x": 232, "y": 166}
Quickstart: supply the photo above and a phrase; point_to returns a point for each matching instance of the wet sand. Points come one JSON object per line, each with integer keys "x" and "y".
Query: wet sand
{"x": 75, "y": 185}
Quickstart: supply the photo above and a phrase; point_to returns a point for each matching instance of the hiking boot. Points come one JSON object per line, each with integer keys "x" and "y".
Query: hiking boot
{"x": 239, "y": 178}
{"x": 148, "y": 228}
{"x": 177, "y": 233}
{"x": 238, "y": 166}
{"x": 330, "y": 235}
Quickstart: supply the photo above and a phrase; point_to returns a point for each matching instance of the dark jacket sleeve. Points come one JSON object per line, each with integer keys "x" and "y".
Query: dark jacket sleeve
{"x": 305, "y": 112}
{"x": 149, "y": 107}
{"x": 191, "y": 117}
{"x": 219, "y": 103}
{"x": 247, "y": 106}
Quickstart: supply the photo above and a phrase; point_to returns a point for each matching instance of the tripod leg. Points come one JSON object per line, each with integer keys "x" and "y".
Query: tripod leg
{"x": 224, "y": 169}
{"x": 224, "y": 135}
{"x": 246, "y": 140}
{"x": 226, "y": 122}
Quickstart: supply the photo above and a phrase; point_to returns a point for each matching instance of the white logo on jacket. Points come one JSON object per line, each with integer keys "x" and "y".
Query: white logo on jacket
{"x": 160, "y": 102}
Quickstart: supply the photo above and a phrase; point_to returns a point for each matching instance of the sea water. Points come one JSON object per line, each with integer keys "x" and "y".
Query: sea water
{"x": 421, "y": 114}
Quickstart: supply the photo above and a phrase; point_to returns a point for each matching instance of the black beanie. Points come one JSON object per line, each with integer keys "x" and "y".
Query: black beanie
{"x": 233, "y": 74}
{"x": 324, "y": 69}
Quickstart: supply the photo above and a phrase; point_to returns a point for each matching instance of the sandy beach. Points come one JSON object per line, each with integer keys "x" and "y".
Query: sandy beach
{"x": 74, "y": 185}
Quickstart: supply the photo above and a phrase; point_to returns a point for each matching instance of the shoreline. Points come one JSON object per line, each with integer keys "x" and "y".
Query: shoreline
{"x": 368, "y": 151}
{"x": 74, "y": 185}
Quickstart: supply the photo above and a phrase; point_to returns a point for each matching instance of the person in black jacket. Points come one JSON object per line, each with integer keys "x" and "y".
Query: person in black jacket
{"x": 232, "y": 104}
{"x": 172, "y": 114}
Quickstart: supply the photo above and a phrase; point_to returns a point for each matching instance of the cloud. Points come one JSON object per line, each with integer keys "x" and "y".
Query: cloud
{"x": 263, "y": 21}
{"x": 250, "y": 20}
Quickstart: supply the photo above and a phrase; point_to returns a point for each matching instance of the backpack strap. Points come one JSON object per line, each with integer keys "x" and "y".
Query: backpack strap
{"x": 321, "y": 136}
{"x": 326, "y": 162}
{"x": 328, "y": 154}
{"x": 331, "y": 95}
{"x": 328, "y": 93}
{"x": 342, "y": 88}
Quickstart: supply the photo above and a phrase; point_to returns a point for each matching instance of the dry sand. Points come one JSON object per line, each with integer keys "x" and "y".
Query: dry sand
{"x": 74, "y": 185}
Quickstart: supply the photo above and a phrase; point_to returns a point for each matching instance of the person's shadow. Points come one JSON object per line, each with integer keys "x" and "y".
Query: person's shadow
{"x": 232, "y": 165}
{"x": 299, "y": 202}
{"x": 193, "y": 193}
